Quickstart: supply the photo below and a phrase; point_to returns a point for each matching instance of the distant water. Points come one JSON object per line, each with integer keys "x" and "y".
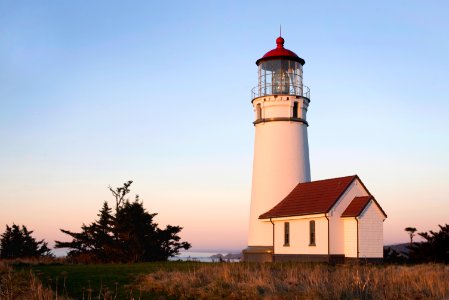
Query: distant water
{"x": 60, "y": 252}
{"x": 200, "y": 256}
{"x": 184, "y": 256}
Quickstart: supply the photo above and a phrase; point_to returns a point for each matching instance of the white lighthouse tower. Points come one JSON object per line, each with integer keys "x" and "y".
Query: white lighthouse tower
{"x": 281, "y": 151}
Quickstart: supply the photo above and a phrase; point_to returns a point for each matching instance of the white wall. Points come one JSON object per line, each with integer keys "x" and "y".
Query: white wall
{"x": 350, "y": 236}
{"x": 337, "y": 230}
{"x": 280, "y": 106}
{"x": 371, "y": 232}
{"x": 299, "y": 236}
{"x": 281, "y": 161}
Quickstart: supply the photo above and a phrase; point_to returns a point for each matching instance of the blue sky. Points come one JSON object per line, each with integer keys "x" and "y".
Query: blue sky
{"x": 94, "y": 93}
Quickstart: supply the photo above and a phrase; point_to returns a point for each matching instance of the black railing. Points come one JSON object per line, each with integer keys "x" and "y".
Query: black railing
{"x": 280, "y": 89}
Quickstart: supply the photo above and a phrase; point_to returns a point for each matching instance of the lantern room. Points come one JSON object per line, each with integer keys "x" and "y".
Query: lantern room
{"x": 280, "y": 73}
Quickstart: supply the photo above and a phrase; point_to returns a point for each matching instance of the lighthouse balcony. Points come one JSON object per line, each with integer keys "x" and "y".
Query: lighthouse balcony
{"x": 277, "y": 89}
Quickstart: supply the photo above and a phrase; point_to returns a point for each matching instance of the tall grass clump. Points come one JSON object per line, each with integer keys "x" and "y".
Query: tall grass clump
{"x": 18, "y": 285}
{"x": 301, "y": 281}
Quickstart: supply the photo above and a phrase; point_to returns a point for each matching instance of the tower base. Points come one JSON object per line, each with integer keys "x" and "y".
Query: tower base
{"x": 258, "y": 254}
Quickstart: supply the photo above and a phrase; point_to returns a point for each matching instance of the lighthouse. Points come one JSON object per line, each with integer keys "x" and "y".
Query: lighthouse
{"x": 291, "y": 217}
{"x": 281, "y": 153}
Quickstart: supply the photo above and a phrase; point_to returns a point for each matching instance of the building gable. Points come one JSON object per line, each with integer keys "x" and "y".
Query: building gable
{"x": 359, "y": 204}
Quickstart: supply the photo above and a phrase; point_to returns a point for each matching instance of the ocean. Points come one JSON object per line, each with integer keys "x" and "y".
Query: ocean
{"x": 202, "y": 256}
{"x": 183, "y": 256}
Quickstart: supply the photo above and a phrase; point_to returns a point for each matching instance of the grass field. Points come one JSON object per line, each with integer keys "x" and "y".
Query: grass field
{"x": 193, "y": 280}
{"x": 103, "y": 281}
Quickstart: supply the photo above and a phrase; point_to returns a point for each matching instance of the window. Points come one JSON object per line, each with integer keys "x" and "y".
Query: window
{"x": 312, "y": 233}
{"x": 259, "y": 111}
{"x": 295, "y": 109}
{"x": 286, "y": 234}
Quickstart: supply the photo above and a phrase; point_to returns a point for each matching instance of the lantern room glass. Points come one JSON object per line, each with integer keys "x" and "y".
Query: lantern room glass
{"x": 280, "y": 77}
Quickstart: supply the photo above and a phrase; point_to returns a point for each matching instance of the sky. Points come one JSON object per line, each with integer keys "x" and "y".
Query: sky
{"x": 96, "y": 93}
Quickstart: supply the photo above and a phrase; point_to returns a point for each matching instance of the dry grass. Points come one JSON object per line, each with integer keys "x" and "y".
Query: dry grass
{"x": 237, "y": 281}
{"x": 301, "y": 281}
{"x": 18, "y": 285}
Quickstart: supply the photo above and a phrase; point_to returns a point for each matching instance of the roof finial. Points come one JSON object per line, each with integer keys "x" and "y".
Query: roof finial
{"x": 280, "y": 30}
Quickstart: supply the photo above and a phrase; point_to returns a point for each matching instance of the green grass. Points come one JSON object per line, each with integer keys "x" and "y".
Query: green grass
{"x": 118, "y": 279}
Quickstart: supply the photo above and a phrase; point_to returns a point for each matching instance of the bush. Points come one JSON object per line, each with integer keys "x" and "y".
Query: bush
{"x": 17, "y": 242}
{"x": 435, "y": 248}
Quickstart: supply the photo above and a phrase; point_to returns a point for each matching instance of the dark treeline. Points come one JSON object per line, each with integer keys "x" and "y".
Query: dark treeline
{"x": 124, "y": 234}
{"x": 434, "y": 248}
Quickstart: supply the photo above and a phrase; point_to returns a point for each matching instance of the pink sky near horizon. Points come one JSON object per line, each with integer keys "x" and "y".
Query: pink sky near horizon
{"x": 224, "y": 226}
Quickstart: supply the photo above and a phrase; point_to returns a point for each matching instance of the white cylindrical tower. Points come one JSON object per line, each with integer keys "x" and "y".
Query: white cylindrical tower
{"x": 281, "y": 151}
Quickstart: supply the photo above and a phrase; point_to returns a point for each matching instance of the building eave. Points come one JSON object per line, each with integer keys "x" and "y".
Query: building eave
{"x": 293, "y": 217}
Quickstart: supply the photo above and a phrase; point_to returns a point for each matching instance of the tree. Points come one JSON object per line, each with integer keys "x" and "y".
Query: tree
{"x": 435, "y": 247}
{"x": 17, "y": 242}
{"x": 127, "y": 235}
{"x": 411, "y": 231}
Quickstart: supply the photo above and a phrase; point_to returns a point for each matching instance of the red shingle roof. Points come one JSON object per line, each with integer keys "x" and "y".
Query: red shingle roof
{"x": 356, "y": 207}
{"x": 308, "y": 198}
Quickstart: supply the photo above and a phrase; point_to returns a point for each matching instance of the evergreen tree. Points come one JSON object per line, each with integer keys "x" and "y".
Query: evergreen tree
{"x": 128, "y": 235}
{"x": 17, "y": 242}
{"x": 95, "y": 242}
{"x": 104, "y": 234}
{"x": 169, "y": 242}
{"x": 411, "y": 232}
{"x": 435, "y": 248}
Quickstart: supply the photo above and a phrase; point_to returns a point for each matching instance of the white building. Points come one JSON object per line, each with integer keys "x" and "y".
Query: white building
{"x": 292, "y": 217}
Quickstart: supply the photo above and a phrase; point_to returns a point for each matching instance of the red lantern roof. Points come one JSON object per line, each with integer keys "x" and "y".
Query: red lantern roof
{"x": 280, "y": 53}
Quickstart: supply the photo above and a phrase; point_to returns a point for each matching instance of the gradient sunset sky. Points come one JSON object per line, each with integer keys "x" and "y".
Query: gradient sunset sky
{"x": 95, "y": 93}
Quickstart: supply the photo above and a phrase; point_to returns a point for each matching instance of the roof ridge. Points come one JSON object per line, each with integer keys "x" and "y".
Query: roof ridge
{"x": 327, "y": 179}
{"x": 353, "y": 178}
